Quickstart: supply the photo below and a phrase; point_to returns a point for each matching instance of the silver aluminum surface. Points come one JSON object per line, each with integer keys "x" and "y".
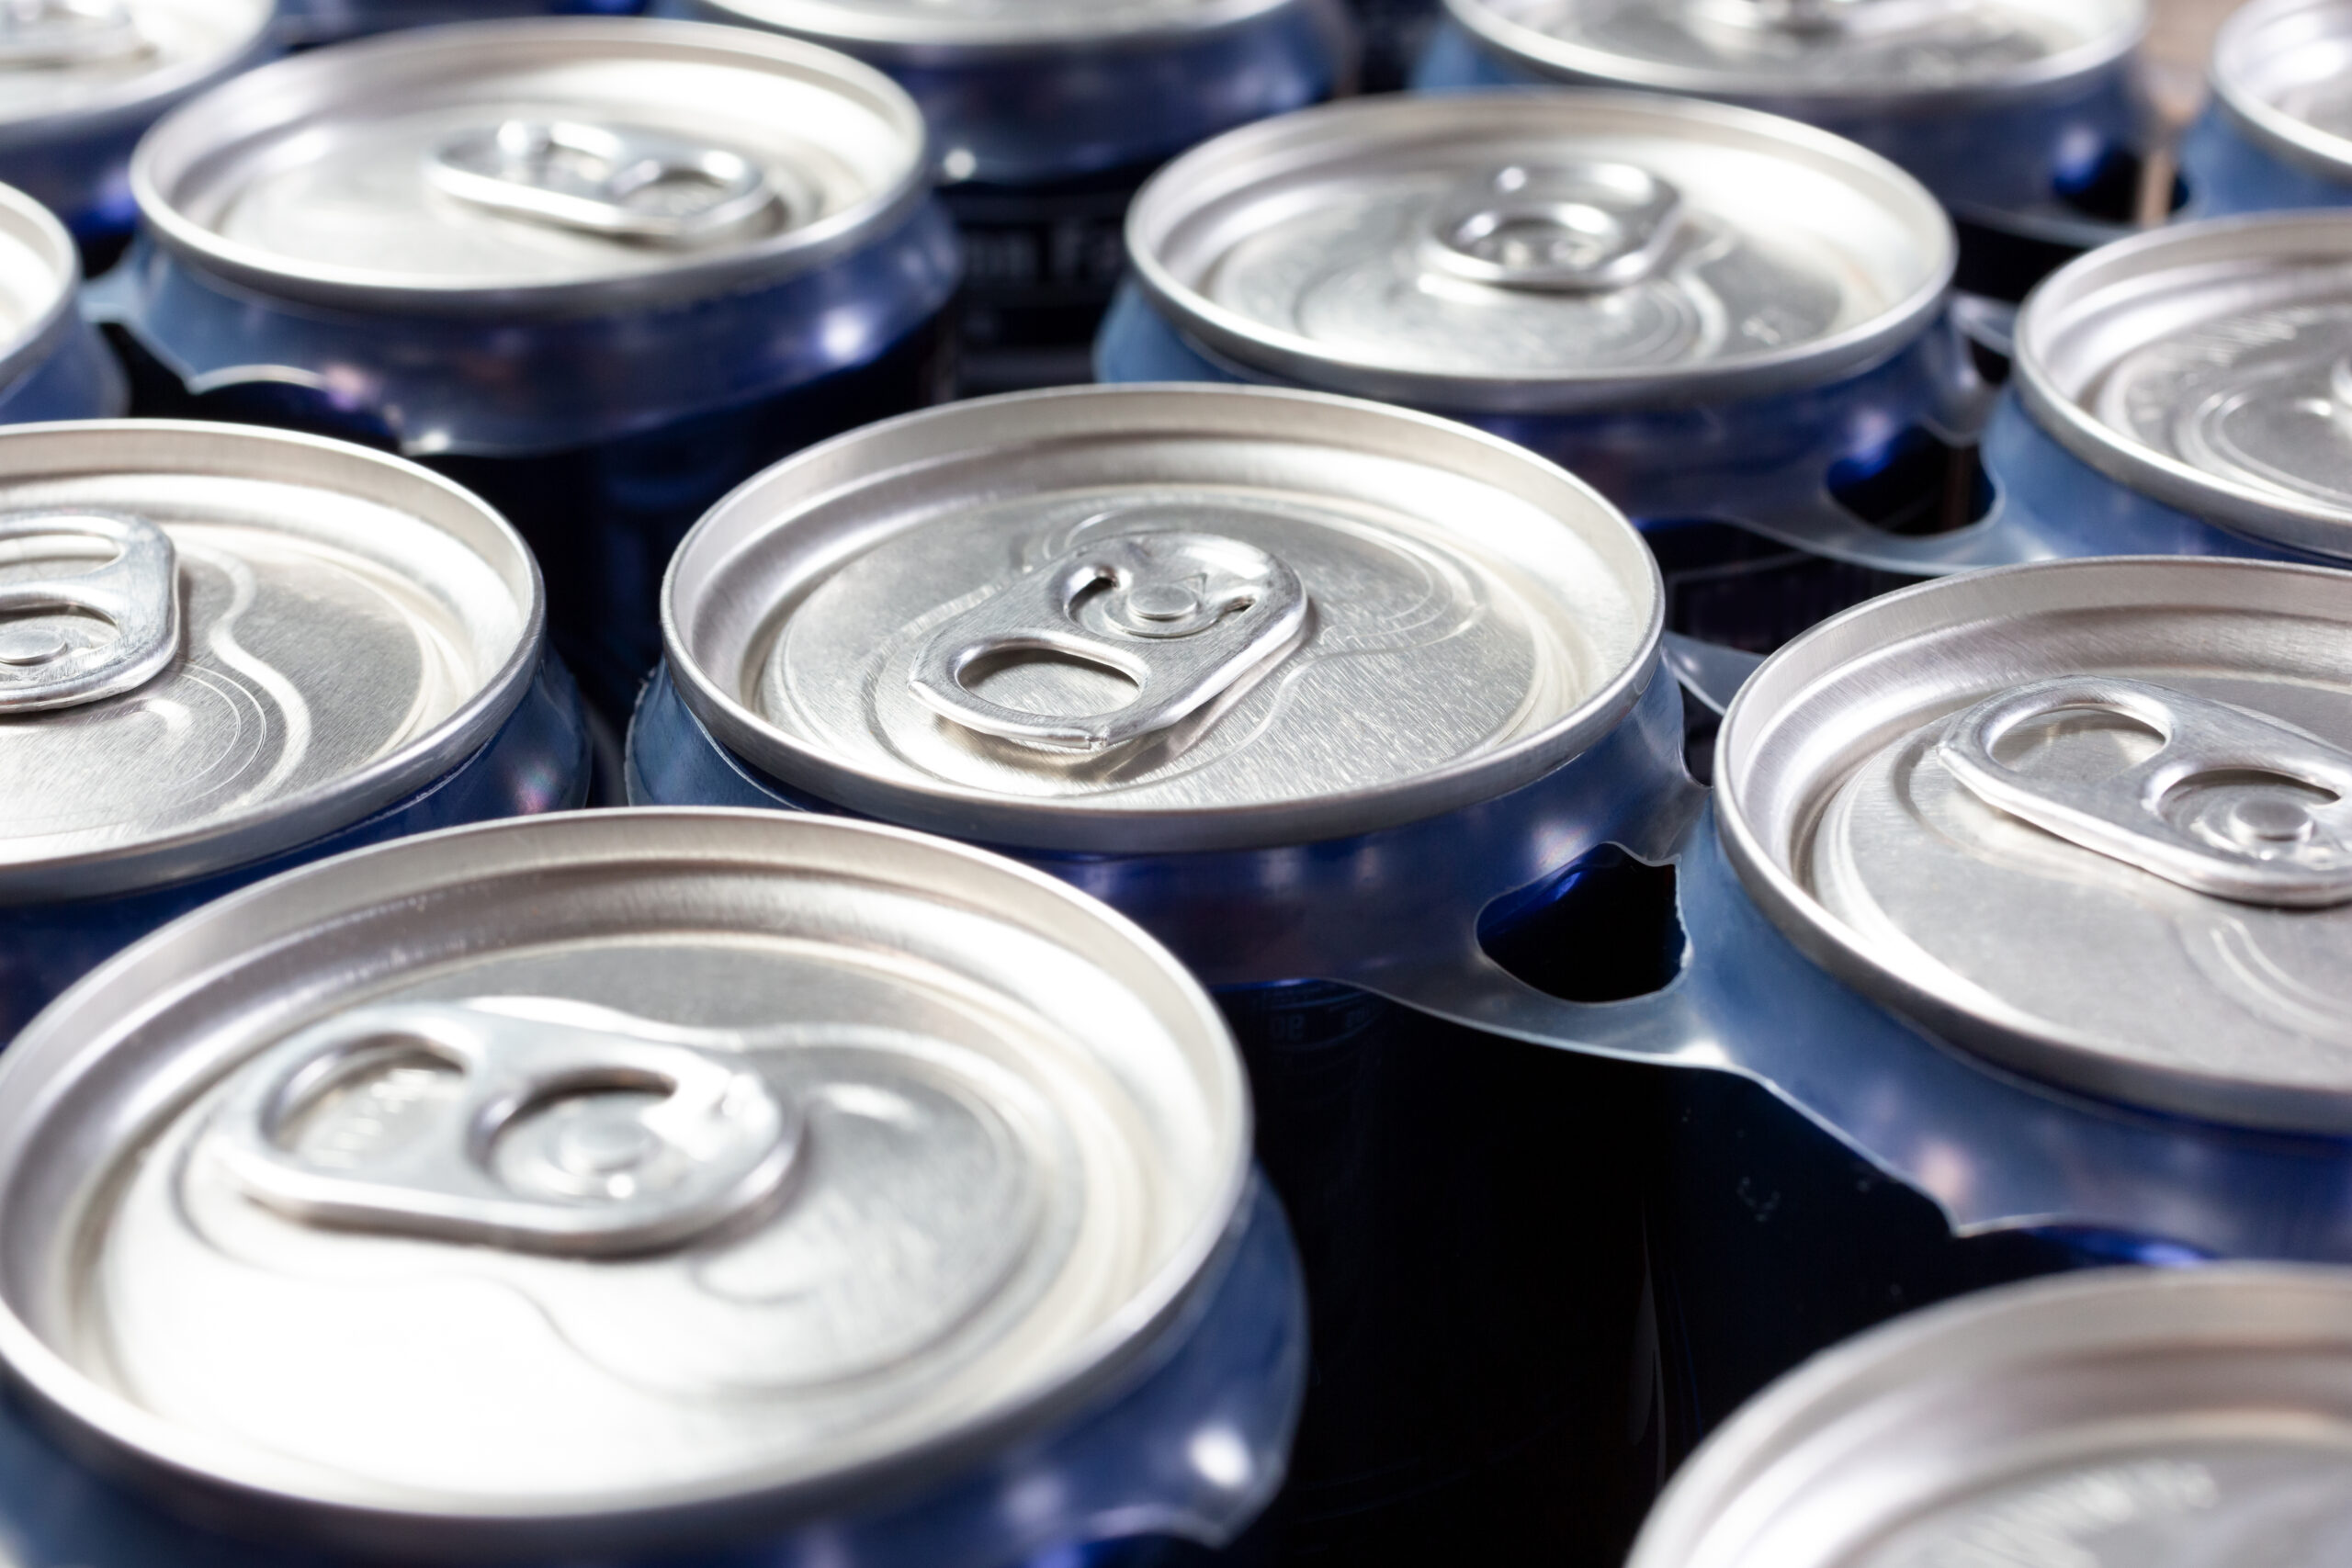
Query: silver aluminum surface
{"x": 346, "y": 629}
{"x": 1540, "y": 251}
{"x": 1474, "y": 616}
{"x": 538, "y": 165}
{"x": 2122, "y": 1419}
{"x": 39, "y": 272}
{"x": 2282, "y": 70}
{"x": 2126, "y": 904}
{"x": 1818, "y": 52}
{"x": 2208, "y": 367}
{"x": 942, "y": 1144}
{"x": 921, "y": 28}
{"x": 71, "y": 61}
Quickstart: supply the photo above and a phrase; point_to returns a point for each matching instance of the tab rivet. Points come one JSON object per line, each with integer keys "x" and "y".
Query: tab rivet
{"x": 23, "y": 646}
{"x": 1164, "y": 601}
{"x": 607, "y": 1149}
{"x": 2271, "y": 820}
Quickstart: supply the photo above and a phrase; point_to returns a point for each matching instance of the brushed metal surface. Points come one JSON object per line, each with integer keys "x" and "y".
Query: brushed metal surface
{"x": 315, "y": 178}
{"x": 2280, "y": 70}
{"x": 1025, "y": 1132}
{"x": 1324, "y": 246}
{"x": 995, "y": 24}
{"x": 173, "y": 45}
{"x": 351, "y": 627}
{"x": 39, "y": 274}
{"x": 1474, "y": 616}
{"x": 2126, "y": 1419}
{"x": 1849, "y": 827}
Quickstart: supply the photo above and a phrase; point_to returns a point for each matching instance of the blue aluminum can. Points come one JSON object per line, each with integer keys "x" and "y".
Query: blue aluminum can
{"x": 52, "y": 364}
{"x": 1298, "y": 684}
{"x": 287, "y": 647}
{"x": 1393, "y": 36}
{"x": 1045, "y": 117}
{"x": 307, "y": 24}
{"x": 787, "y": 1192}
{"x": 2028, "y": 122}
{"x": 2273, "y": 136}
{"x": 82, "y": 80}
{"x": 1753, "y": 347}
{"x": 700, "y": 248}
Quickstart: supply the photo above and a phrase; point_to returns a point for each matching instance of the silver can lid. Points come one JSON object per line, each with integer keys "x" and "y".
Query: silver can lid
{"x": 2129, "y": 1418}
{"x": 537, "y": 165}
{"x": 2210, "y": 367}
{"x": 1814, "y": 52}
{"x": 2091, "y": 819}
{"x": 2281, "y": 72}
{"x": 772, "y": 1159}
{"x": 1541, "y": 250}
{"x": 39, "y": 274}
{"x": 1162, "y": 617}
{"x": 72, "y": 60}
{"x": 216, "y": 643}
{"x": 919, "y": 26}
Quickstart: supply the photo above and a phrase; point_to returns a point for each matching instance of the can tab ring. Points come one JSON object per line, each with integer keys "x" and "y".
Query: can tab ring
{"x": 2232, "y": 803}
{"x": 1187, "y": 618}
{"x": 547, "y": 1142}
{"x": 1569, "y": 228}
{"x": 622, "y": 183}
{"x": 136, "y": 592}
{"x": 68, "y": 32}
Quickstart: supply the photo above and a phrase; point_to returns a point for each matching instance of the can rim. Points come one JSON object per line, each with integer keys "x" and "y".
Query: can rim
{"x": 1169, "y": 196}
{"x": 259, "y": 100}
{"x": 1576, "y": 63}
{"x": 963, "y": 812}
{"x": 2298, "y": 522}
{"x": 2219, "y": 1306}
{"x": 147, "y": 92}
{"x": 1985, "y": 1025}
{"x": 28, "y": 222}
{"x": 290, "y": 821}
{"x": 114, "y": 996}
{"x": 1008, "y": 33}
{"x": 2297, "y": 142}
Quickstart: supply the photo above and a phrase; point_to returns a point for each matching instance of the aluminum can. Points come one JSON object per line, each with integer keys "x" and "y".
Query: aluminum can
{"x": 2028, "y": 121}
{"x": 2171, "y": 393}
{"x": 2272, "y": 134}
{"x": 82, "y": 80}
{"x": 787, "y": 1190}
{"x": 1730, "y": 323}
{"x": 688, "y": 250}
{"x": 226, "y": 652}
{"x": 53, "y": 363}
{"x": 1392, "y": 35}
{"x": 307, "y": 24}
{"x": 1321, "y": 678}
{"x": 2129, "y": 1420}
{"x": 1045, "y": 117}
{"x": 2025, "y": 886}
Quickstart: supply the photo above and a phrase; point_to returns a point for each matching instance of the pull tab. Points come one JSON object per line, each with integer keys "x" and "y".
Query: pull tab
{"x": 1575, "y": 228}
{"x": 522, "y": 1122}
{"x": 67, "y": 32}
{"x": 2233, "y": 804}
{"x": 137, "y": 592}
{"x": 1187, "y": 618}
{"x": 628, "y": 183}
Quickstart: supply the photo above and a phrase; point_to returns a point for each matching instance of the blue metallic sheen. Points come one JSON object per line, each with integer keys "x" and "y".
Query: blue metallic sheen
{"x": 538, "y": 761}
{"x": 75, "y": 378}
{"x": 2227, "y": 171}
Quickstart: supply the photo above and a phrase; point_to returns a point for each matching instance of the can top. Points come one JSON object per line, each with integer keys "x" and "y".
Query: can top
{"x": 923, "y": 25}
{"x": 2091, "y": 819}
{"x": 779, "y": 1159}
{"x": 1527, "y": 251}
{"x": 1820, "y": 52}
{"x": 216, "y": 643}
{"x": 2156, "y": 1418}
{"x": 2206, "y": 367}
{"x": 73, "y": 60}
{"x": 2281, "y": 72}
{"x": 1143, "y": 618}
{"x": 39, "y": 272}
{"x": 553, "y": 163}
